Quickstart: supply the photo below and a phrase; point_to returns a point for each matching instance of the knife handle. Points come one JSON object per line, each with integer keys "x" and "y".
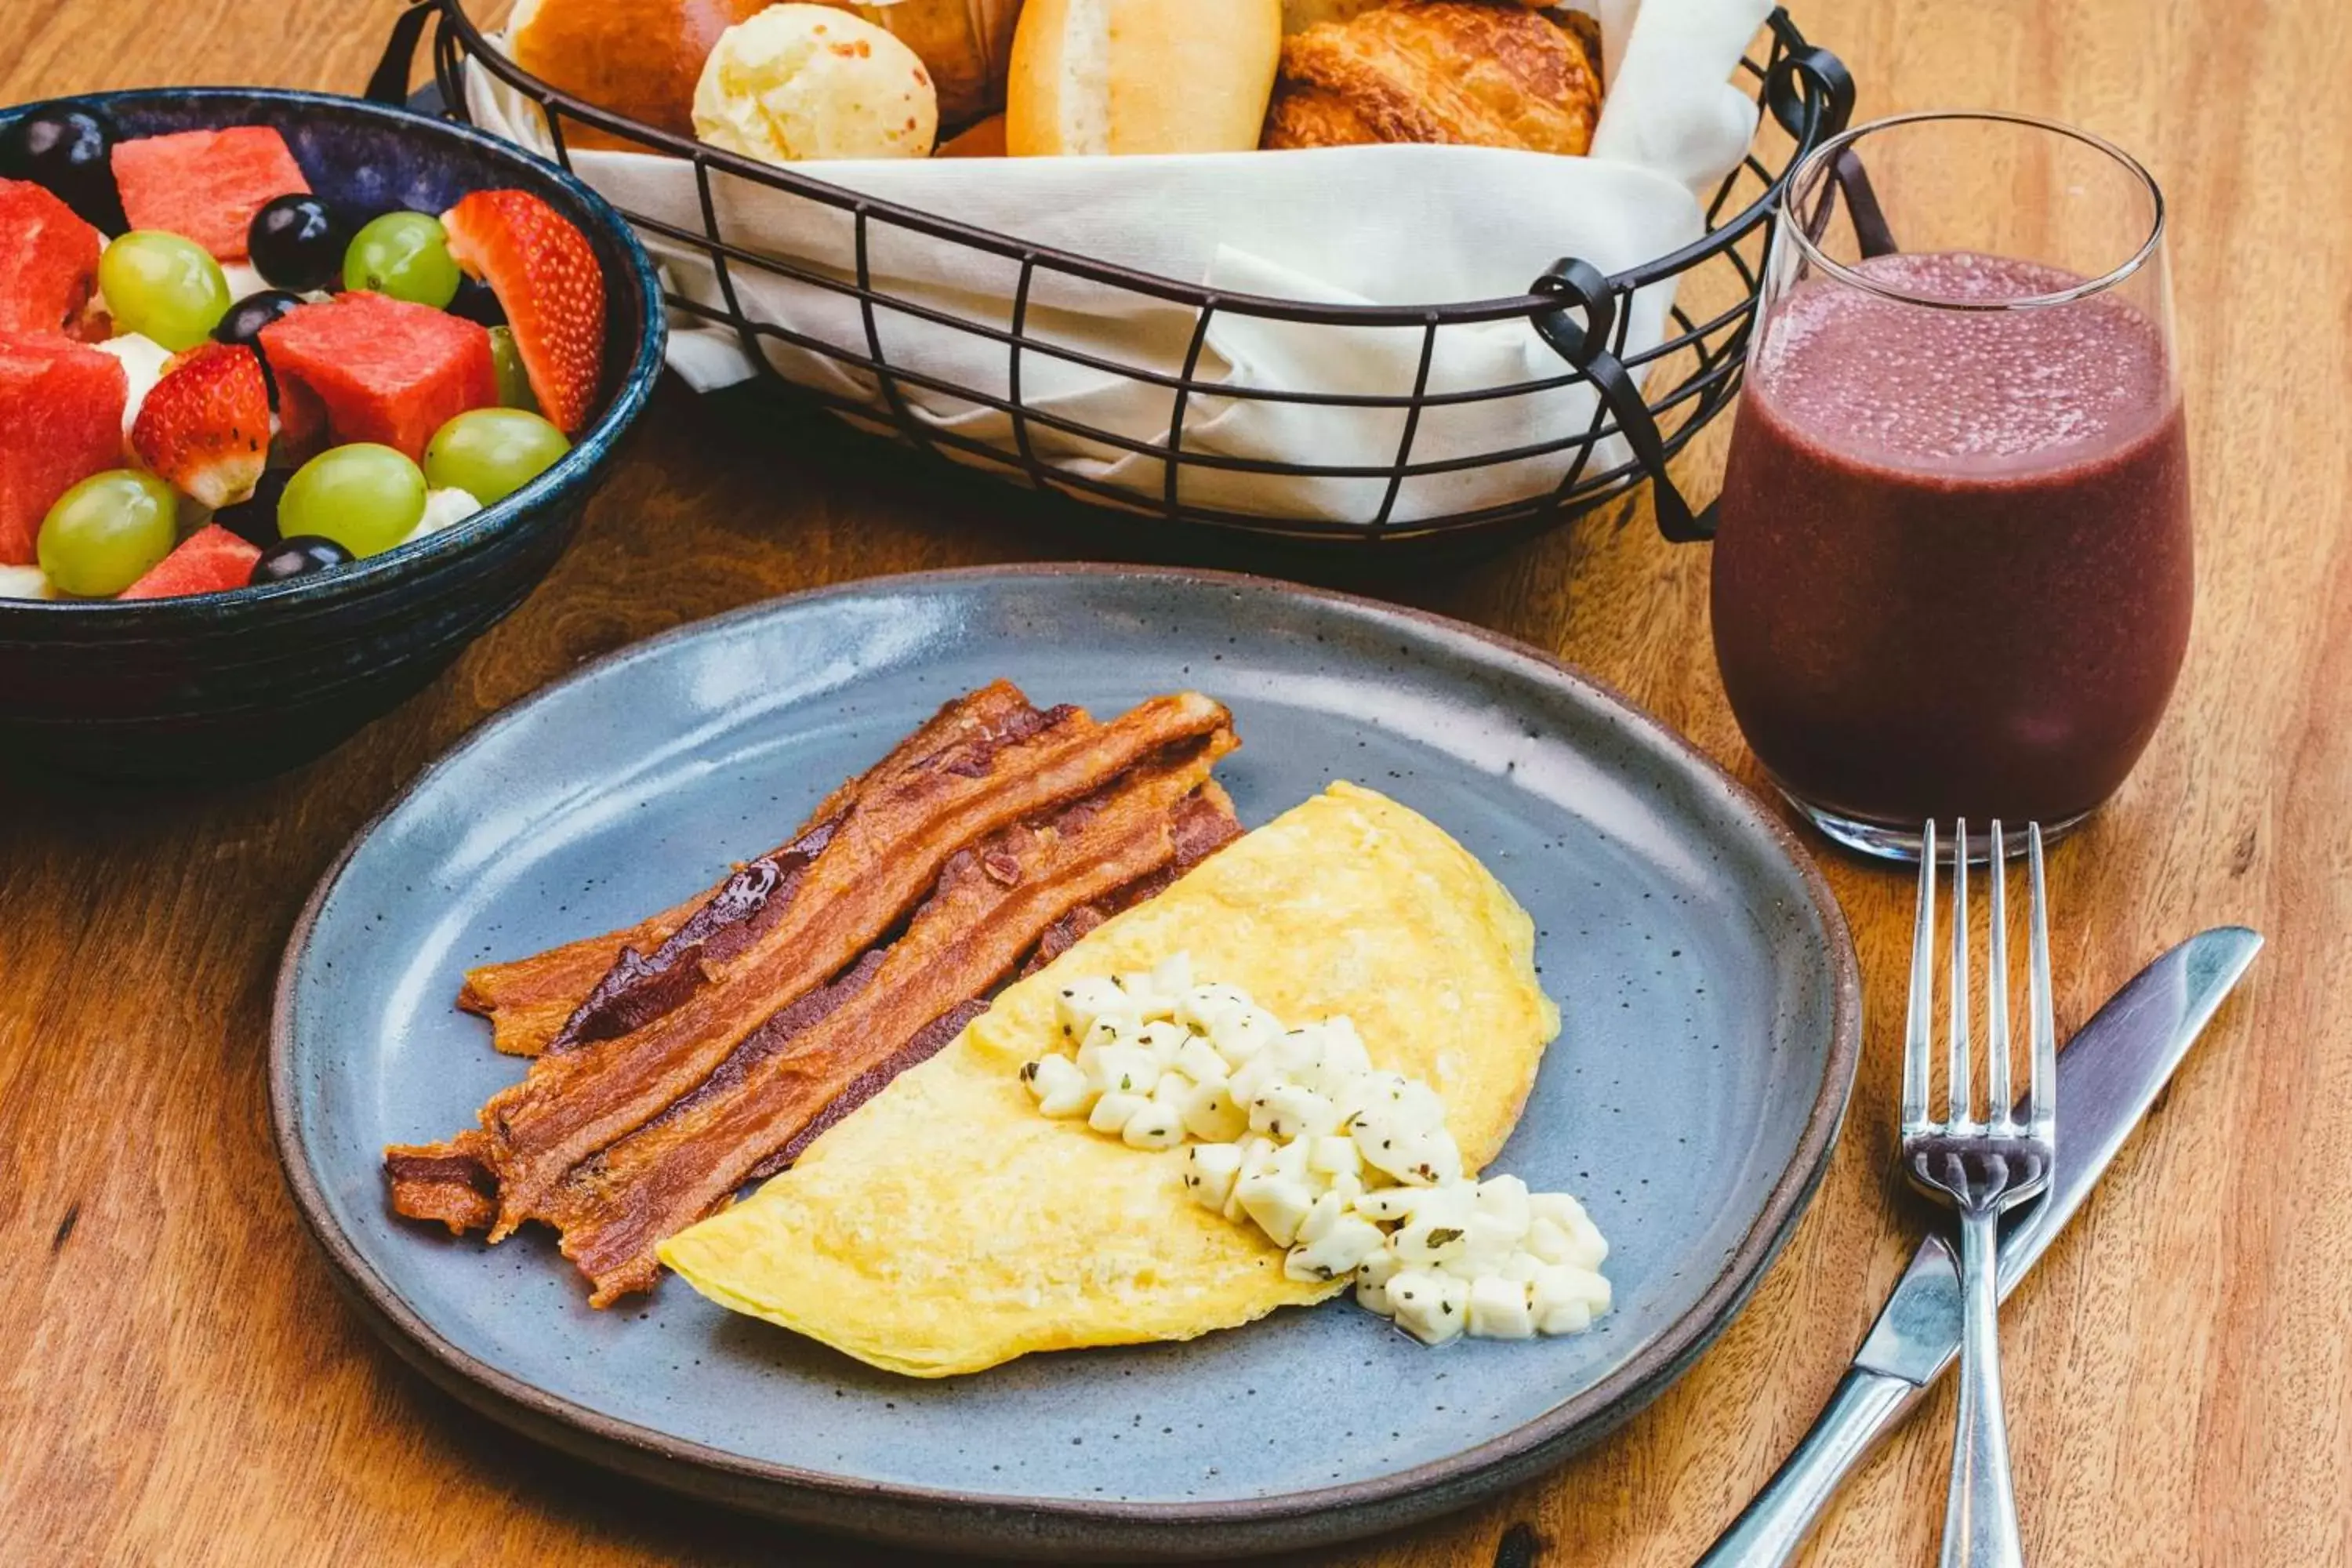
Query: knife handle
{"x": 1771, "y": 1529}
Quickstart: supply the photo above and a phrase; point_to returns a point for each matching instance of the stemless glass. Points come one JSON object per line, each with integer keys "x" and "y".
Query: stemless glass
{"x": 1952, "y": 573}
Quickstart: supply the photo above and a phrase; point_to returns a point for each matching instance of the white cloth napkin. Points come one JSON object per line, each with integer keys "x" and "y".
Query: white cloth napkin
{"x": 1389, "y": 225}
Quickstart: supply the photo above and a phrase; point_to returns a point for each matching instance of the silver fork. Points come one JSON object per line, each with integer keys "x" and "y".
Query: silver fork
{"x": 1980, "y": 1168}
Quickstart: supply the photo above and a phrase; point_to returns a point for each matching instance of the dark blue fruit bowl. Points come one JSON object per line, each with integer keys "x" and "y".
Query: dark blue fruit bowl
{"x": 259, "y": 679}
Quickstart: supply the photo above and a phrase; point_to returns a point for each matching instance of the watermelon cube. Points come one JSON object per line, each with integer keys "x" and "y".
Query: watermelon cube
{"x": 210, "y": 561}
{"x": 49, "y": 261}
{"x": 61, "y": 422}
{"x": 385, "y": 369}
{"x": 205, "y": 185}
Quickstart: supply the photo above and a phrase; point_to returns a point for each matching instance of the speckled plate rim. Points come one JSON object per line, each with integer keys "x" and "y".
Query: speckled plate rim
{"x": 992, "y": 1524}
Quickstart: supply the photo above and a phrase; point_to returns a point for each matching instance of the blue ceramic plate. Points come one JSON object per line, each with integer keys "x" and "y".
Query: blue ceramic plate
{"x": 1705, "y": 976}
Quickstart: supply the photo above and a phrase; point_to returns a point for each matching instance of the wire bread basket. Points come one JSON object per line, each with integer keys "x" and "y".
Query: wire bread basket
{"x": 1647, "y": 404}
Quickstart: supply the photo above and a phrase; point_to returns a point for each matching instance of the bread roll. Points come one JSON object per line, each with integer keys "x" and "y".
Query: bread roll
{"x": 1490, "y": 74}
{"x": 983, "y": 139}
{"x": 967, "y": 44}
{"x": 637, "y": 57}
{"x": 643, "y": 57}
{"x": 1141, "y": 76}
{"x": 1298, "y": 15}
{"x": 809, "y": 82}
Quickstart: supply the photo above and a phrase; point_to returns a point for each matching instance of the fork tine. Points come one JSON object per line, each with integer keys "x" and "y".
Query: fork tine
{"x": 1919, "y": 1026}
{"x": 2045, "y": 1088}
{"x": 2000, "y": 1108}
{"x": 1957, "y": 1111}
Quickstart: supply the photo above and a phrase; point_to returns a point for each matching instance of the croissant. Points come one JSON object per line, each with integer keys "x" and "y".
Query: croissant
{"x": 1463, "y": 71}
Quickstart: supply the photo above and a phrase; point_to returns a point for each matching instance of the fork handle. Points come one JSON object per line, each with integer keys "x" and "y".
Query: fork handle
{"x": 1980, "y": 1517}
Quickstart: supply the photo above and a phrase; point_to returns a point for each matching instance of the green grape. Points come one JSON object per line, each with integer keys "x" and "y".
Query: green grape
{"x": 104, "y": 534}
{"x": 405, "y": 255}
{"x": 514, "y": 380}
{"x": 168, "y": 289}
{"x": 365, "y": 497}
{"x": 490, "y": 453}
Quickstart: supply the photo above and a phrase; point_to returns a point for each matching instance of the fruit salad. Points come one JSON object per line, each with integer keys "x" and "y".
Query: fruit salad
{"x": 211, "y": 377}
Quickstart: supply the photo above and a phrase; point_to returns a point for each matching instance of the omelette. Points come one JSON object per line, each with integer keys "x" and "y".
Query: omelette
{"x": 946, "y": 1226}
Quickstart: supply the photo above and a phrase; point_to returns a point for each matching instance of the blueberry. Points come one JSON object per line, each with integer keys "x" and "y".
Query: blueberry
{"x": 255, "y": 519}
{"x": 69, "y": 151}
{"x": 297, "y": 242}
{"x": 298, "y": 557}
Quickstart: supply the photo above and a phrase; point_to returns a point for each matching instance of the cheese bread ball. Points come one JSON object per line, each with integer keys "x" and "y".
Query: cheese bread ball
{"x": 799, "y": 82}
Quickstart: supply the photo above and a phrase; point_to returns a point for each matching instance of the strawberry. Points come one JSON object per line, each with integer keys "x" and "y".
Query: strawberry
{"x": 546, "y": 279}
{"x": 206, "y": 425}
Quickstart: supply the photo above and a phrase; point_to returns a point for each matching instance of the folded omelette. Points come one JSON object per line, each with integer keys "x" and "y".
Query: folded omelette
{"x": 946, "y": 1225}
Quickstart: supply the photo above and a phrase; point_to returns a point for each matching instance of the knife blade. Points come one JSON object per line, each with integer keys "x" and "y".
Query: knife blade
{"x": 2108, "y": 1076}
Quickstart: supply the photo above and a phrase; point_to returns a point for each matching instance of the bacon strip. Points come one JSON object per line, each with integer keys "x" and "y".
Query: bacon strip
{"x": 1203, "y": 825}
{"x": 451, "y": 1183}
{"x": 533, "y": 1002}
{"x": 929, "y": 1041}
{"x": 993, "y": 903}
{"x": 890, "y": 849}
{"x": 447, "y": 1182}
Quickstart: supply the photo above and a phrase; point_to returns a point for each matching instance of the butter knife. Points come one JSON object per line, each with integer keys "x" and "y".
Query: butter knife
{"x": 2108, "y": 1078}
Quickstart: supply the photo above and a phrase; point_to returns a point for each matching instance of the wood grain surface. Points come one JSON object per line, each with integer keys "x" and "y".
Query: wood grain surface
{"x": 180, "y": 1384}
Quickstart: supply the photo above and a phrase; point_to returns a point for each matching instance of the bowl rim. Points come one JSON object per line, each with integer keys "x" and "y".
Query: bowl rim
{"x": 569, "y": 473}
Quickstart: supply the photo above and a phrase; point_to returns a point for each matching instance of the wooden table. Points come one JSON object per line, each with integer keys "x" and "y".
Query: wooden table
{"x": 179, "y": 1382}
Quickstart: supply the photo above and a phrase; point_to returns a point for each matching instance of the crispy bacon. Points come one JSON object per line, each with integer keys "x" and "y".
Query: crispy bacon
{"x": 929, "y": 1041}
{"x": 1203, "y": 825}
{"x": 993, "y": 904}
{"x": 641, "y": 989}
{"x": 449, "y": 1181}
{"x": 890, "y": 847}
{"x": 624, "y": 979}
{"x": 529, "y": 1000}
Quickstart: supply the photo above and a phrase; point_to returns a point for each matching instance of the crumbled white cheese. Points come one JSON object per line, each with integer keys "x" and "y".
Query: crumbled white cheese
{"x": 1432, "y": 1307}
{"x": 1212, "y": 1115}
{"x": 25, "y": 583}
{"x": 1352, "y": 1170}
{"x": 1060, "y": 1088}
{"x": 1112, "y": 1112}
{"x": 1156, "y": 1126}
{"x": 443, "y": 508}
{"x": 1209, "y": 1173}
{"x": 243, "y": 278}
{"x": 1372, "y": 1277}
{"x": 142, "y": 362}
{"x": 1498, "y": 1309}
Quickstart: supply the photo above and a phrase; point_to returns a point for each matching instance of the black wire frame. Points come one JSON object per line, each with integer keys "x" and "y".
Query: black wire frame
{"x": 1803, "y": 89}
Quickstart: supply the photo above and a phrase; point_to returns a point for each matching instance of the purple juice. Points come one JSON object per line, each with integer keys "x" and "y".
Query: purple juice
{"x": 1953, "y": 570}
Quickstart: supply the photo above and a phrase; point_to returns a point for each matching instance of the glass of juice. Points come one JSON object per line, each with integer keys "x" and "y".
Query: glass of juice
{"x": 1952, "y": 572}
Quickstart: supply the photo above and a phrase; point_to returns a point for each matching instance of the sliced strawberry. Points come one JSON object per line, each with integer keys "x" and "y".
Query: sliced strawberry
{"x": 210, "y": 561}
{"x": 205, "y": 426}
{"x": 546, "y": 277}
